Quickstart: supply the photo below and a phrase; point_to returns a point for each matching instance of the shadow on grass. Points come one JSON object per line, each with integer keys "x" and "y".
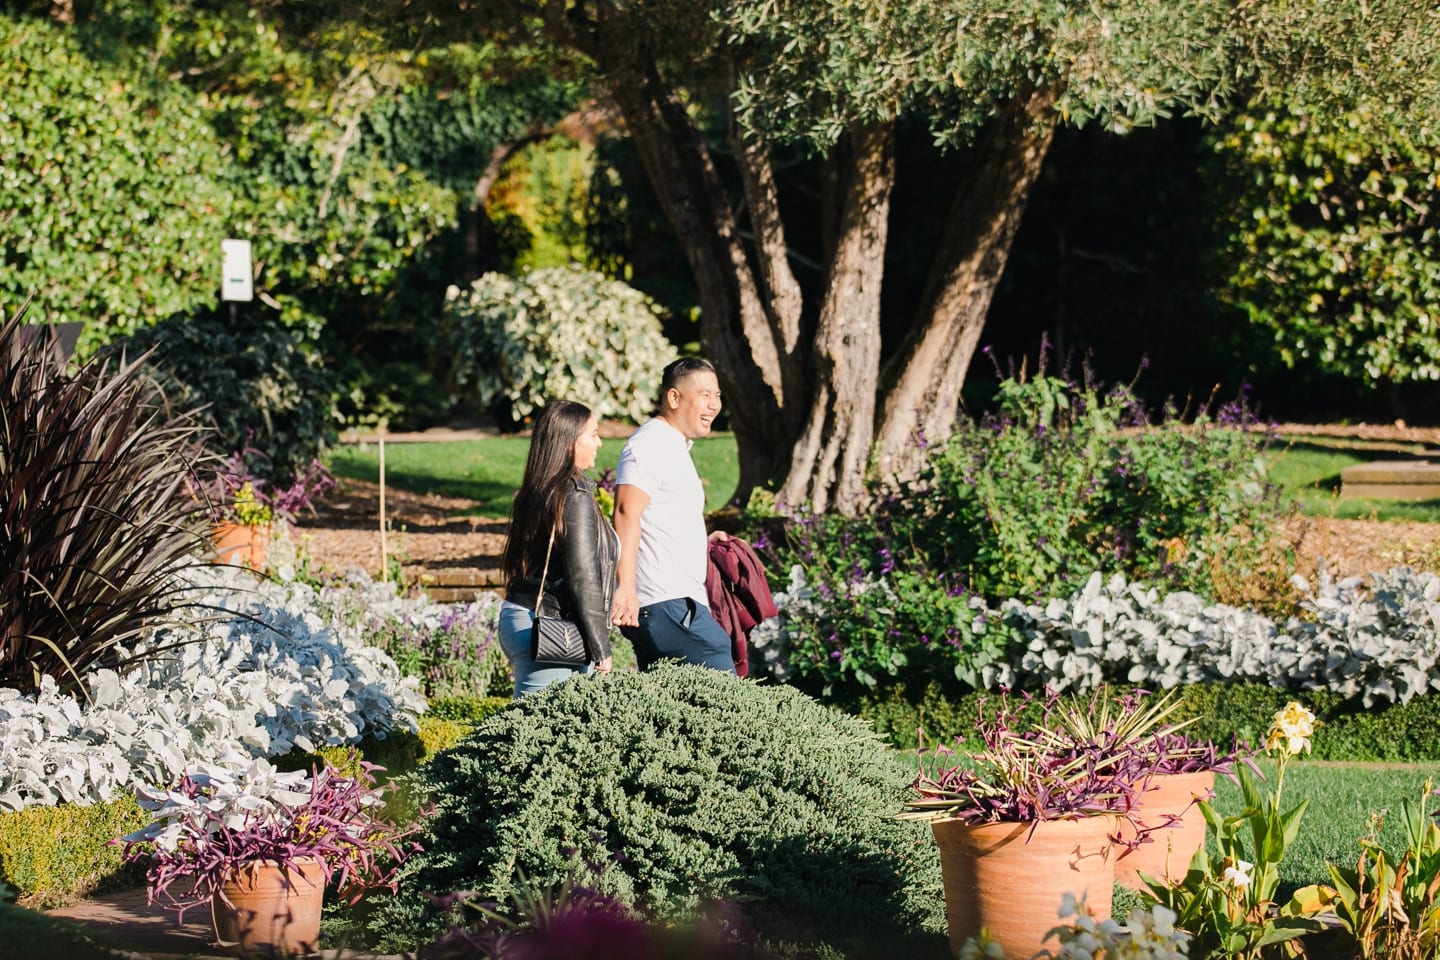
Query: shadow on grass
{"x": 492, "y": 497}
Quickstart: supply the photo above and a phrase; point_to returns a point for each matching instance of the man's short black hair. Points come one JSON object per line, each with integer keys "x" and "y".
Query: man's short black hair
{"x": 678, "y": 370}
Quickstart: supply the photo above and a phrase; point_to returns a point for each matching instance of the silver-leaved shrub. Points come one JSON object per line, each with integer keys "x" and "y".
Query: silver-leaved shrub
{"x": 264, "y": 673}
{"x": 1374, "y": 638}
{"x": 558, "y": 333}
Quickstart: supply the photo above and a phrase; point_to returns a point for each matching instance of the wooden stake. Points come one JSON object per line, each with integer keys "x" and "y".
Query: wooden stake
{"x": 384, "y": 553}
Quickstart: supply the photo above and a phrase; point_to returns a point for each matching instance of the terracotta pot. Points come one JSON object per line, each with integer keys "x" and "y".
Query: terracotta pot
{"x": 1167, "y": 853}
{"x": 241, "y": 545}
{"x": 1003, "y": 878}
{"x": 271, "y": 911}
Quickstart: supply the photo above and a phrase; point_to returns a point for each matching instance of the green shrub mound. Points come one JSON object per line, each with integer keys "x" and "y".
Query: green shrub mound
{"x": 517, "y": 343}
{"x": 256, "y": 379}
{"x": 688, "y": 786}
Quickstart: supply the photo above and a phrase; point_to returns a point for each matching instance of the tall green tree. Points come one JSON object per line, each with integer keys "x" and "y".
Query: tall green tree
{"x": 351, "y": 165}
{"x": 816, "y": 397}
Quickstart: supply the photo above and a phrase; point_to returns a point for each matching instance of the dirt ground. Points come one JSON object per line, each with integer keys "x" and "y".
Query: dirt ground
{"x": 426, "y": 532}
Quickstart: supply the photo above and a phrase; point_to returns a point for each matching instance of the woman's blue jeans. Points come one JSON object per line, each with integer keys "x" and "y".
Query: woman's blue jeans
{"x": 515, "y": 629}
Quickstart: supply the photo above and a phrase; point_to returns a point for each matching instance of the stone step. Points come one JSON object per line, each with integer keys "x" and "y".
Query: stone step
{"x": 461, "y": 584}
{"x": 1391, "y": 480}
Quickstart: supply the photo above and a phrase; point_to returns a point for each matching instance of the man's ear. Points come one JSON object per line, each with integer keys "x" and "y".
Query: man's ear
{"x": 672, "y": 397}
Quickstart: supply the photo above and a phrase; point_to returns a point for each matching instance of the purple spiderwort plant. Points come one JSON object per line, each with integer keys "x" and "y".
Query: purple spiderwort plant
{"x": 215, "y": 821}
{"x": 1083, "y": 759}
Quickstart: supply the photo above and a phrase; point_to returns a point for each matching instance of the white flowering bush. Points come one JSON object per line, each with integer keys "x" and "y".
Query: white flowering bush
{"x": 559, "y": 333}
{"x": 264, "y": 673}
{"x": 1150, "y": 935}
{"x": 1376, "y": 638}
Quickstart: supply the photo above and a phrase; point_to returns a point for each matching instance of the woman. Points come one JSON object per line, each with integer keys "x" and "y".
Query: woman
{"x": 556, "y": 496}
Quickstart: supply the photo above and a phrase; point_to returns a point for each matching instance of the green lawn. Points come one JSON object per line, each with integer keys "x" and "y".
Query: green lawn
{"x": 488, "y": 470}
{"x": 1310, "y": 469}
{"x": 1342, "y": 797}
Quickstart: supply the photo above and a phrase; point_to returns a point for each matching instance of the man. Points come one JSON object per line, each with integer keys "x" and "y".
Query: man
{"x": 660, "y": 603}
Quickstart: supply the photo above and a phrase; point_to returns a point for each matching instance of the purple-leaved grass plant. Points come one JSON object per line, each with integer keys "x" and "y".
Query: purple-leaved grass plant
{"x": 1134, "y": 721}
{"x": 216, "y": 821}
{"x": 1080, "y": 759}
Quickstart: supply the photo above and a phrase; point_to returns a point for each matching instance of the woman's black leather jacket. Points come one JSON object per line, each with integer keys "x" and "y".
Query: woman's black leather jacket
{"x": 580, "y": 584}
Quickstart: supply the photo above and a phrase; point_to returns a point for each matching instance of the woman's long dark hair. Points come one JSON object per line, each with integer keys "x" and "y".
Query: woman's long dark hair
{"x": 541, "y": 497}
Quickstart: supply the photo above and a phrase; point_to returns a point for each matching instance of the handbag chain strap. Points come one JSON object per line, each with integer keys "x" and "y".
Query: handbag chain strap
{"x": 540, "y": 594}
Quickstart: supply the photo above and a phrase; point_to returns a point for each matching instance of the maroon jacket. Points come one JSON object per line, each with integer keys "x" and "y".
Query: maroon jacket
{"x": 739, "y": 595}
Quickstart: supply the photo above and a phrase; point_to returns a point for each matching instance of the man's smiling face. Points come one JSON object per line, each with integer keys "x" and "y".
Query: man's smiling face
{"x": 693, "y": 403}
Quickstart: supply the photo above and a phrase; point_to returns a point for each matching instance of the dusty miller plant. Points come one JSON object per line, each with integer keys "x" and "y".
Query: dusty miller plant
{"x": 266, "y": 673}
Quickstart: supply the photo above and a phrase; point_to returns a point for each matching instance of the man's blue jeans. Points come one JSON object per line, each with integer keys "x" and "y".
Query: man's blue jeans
{"x": 680, "y": 630}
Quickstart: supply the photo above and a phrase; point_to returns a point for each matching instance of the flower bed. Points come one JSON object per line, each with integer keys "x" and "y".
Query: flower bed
{"x": 1370, "y": 639}
{"x": 266, "y": 673}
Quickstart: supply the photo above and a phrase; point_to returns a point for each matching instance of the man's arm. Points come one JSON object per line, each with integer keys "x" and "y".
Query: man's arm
{"x": 630, "y": 503}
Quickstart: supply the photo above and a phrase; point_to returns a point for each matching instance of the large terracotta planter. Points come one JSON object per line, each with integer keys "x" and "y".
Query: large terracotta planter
{"x": 241, "y": 544}
{"x": 1003, "y": 878}
{"x": 1168, "y": 852}
{"x": 271, "y": 911}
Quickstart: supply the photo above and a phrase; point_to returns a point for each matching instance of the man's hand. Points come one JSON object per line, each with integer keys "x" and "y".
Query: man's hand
{"x": 719, "y": 535}
{"x": 625, "y": 611}
{"x": 604, "y": 665}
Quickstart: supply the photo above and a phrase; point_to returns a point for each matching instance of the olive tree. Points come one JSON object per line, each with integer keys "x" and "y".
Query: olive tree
{"x": 817, "y": 397}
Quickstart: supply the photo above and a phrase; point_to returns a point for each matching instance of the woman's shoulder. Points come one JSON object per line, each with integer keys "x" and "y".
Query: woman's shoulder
{"x": 580, "y": 483}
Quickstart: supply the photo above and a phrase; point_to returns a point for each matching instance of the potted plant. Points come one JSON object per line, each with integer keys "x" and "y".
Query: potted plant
{"x": 259, "y": 847}
{"x": 243, "y": 507}
{"x": 1031, "y": 817}
{"x": 1163, "y": 826}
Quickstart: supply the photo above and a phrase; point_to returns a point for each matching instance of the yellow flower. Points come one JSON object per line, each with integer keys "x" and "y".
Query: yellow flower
{"x": 1296, "y": 717}
{"x": 1292, "y": 730}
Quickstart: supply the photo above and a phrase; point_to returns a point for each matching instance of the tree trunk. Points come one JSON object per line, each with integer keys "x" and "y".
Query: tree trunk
{"x": 750, "y": 325}
{"x": 784, "y": 302}
{"x": 827, "y": 466}
{"x": 737, "y": 332}
{"x": 922, "y": 381}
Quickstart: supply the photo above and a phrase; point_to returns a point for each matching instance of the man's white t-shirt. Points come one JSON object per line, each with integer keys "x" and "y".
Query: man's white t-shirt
{"x": 673, "y": 554}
